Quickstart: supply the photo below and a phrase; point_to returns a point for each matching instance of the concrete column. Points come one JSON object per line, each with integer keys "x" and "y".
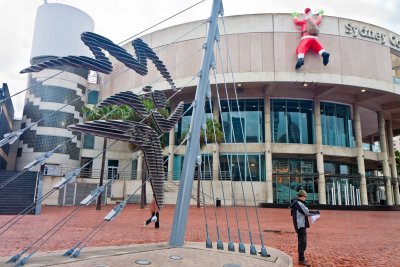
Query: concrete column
{"x": 215, "y": 146}
{"x": 268, "y": 149}
{"x": 392, "y": 161}
{"x": 318, "y": 151}
{"x": 171, "y": 148}
{"x": 360, "y": 155}
{"x": 215, "y": 109}
{"x": 215, "y": 166}
{"x": 384, "y": 154}
{"x": 140, "y": 166}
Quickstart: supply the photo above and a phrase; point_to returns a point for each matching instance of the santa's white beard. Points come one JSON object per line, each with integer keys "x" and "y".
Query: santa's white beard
{"x": 308, "y": 15}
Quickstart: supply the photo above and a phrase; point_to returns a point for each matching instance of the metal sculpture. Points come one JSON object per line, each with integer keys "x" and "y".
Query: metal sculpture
{"x": 101, "y": 63}
{"x": 140, "y": 134}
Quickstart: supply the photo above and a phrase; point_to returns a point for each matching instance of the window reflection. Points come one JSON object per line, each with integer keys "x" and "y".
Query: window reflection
{"x": 236, "y": 167}
{"x": 206, "y": 167}
{"x": 248, "y": 123}
{"x": 290, "y": 175}
{"x": 183, "y": 125}
{"x": 336, "y": 125}
{"x": 292, "y": 121}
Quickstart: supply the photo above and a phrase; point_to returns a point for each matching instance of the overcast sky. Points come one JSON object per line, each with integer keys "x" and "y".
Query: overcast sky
{"x": 121, "y": 19}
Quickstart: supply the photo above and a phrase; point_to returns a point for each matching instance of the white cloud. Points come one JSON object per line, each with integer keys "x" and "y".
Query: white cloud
{"x": 121, "y": 19}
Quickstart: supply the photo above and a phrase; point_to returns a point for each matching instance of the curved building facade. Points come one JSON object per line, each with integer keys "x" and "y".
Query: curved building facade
{"x": 57, "y": 33}
{"x": 327, "y": 129}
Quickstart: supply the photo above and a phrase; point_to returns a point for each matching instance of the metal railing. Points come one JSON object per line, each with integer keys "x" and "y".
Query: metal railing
{"x": 88, "y": 173}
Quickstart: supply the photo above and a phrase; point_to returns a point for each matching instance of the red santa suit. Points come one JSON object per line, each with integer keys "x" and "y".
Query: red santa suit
{"x": 309, "y": 41}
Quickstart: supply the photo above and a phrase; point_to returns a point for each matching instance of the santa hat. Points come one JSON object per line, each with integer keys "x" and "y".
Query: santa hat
{"x": 307, "y": 12}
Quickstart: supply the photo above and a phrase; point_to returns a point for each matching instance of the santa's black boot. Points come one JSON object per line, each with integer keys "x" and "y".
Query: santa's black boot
{"x": 300, "y": 62}
{"x": 325, "y": 58}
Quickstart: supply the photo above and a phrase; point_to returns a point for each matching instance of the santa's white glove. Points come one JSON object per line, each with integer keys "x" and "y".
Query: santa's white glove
{"x": 295, "y": 15}
{"x": 321, "y": 12}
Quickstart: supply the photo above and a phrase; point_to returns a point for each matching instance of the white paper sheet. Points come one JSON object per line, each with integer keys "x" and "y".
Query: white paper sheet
{"x": 315, "y": 217}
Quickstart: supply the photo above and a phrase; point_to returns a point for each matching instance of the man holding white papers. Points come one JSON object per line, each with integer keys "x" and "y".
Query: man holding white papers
{"x": 300, "y": 214}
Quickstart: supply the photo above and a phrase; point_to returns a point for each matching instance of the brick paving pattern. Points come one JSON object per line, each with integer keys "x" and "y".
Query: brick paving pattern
{"x": 338, "y": 238}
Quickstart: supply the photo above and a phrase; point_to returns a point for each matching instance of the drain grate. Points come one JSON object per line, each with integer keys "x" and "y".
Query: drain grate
{"x": 143, "y": 262}
{"x": 175, "y": 257}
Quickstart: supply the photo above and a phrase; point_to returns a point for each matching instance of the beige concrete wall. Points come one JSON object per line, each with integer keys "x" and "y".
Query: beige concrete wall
{"x": 118, "y": 151}
{"x": 281, "y": 148}
{"x": 48, "y": 183}
{"x": 171, "y": 191}
{"x": 262, "y": 49}
{"x": 121, "y": 189}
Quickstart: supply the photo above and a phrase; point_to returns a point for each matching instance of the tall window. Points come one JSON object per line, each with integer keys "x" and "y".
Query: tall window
{"x": 134, "y": 169}
{"x": 93, "y": 97}
{"x": 206, "y": 167}
{"x": 237, "y": 167}
{"x": 88, "y": 141}
{"x": 248, "y": 124}
{"x": 112, "y": 169}
{"x": 336, "y": 125}
{"x": 87, "y": 171}
{"x": 292, "y": 121}
{"x": 183, "y": 125}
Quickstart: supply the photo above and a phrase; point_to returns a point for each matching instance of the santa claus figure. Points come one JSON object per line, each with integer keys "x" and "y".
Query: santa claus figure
{"x": 309, "y": 37}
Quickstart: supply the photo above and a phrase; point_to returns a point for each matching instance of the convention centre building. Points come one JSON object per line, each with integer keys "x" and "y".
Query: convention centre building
{"x": 327, "y": 129}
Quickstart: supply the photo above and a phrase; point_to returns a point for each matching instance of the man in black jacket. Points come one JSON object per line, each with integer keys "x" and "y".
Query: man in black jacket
{"x": 300, "y": 214}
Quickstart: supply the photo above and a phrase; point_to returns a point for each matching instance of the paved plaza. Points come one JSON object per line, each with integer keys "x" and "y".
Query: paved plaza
{"x": 338, "y": 238}
{"x": 160, "y": 254}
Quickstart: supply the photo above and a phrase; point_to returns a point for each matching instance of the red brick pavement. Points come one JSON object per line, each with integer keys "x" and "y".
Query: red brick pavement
{"x": 338, "y": 238}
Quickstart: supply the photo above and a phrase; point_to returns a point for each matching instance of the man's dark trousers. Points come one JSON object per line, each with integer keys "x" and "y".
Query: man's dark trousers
{"x": 157, "y": 223}
{"x": 302, "y": 242}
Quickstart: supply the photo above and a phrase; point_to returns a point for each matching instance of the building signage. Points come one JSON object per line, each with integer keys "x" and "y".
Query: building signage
{"x": 366, "y": 32}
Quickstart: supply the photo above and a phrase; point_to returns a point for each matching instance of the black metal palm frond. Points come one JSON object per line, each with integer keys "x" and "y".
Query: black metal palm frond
{"x": 125, "y": 98}
{"x": 165, "y": 125}
{"x": 139, "y": 134}
{"x": 101, "y": 62}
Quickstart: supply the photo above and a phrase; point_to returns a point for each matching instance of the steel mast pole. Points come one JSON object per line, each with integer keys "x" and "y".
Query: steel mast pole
{"x": 178, "y": 230}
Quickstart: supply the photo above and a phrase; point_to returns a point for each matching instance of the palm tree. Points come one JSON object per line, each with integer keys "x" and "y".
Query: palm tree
{"x": 211, "y": 138}
{"x": 125, "y": 113}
